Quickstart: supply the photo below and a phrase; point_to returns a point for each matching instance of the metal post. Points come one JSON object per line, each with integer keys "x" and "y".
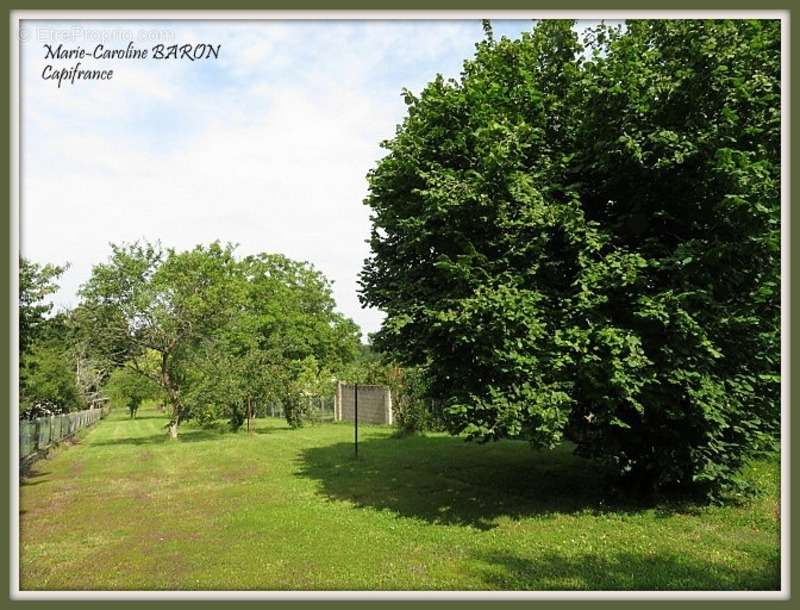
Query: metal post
{"x": 355, "y": 409}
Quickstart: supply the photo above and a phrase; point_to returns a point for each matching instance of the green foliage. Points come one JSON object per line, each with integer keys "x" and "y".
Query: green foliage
{"x": 307, "y": 381}
{"x": 223, "y": 331}
{"x": 368, "y": 367}
{"x": 49, "y": 380}
{"x": 292, "y": 312}
{"x": 127, "y": 388}
{"x": 414, "y": 412}
{"x": 587, "y": 246}
{"x": 282, "y": 345}
{"x": 146, "y": 299}
{"x": 47, "y": 377}
{"x": 36, "y": 282}
{"x": 290, "y": 335}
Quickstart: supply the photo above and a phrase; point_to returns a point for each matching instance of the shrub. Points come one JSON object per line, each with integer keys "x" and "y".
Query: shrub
{"x": 48, "y": 380}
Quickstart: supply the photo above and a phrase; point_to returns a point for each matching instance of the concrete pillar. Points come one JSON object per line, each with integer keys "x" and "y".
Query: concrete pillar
{"x": 337, "y": 408}
{"x": 387, "y": 406}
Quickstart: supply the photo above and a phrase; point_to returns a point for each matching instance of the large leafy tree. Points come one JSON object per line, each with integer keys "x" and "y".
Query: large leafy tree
{"x": 584, "y": 242}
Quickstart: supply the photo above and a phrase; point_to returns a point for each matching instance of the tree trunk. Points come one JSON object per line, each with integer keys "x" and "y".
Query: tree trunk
{"x": 172, "y": 396}
{"x": 175, "y": 421}
{"x": 249, "y": 413}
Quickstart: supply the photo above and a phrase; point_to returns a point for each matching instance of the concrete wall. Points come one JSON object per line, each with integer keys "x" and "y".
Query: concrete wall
{"x": 374, "y": 403}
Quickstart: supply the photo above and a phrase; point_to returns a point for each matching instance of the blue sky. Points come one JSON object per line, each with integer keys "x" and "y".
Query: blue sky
{"x": 267, "y": 147}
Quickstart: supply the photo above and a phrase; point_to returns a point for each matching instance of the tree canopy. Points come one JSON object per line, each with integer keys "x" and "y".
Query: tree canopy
{"x": 36, "y": 282}
{"x": 47, "y": 377}
{"x": 212, "y": 331}
{"x": 582, "y": 241}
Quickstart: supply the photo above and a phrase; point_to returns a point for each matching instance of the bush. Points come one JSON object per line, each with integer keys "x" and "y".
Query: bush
{"x": 413, "y": 411}
{"x": 47, "y": 380}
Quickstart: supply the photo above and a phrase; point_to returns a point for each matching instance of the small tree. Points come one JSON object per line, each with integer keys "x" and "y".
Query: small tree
{"x": 128, "y": 388}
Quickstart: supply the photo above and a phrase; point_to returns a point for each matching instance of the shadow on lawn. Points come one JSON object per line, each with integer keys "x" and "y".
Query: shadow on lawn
{"x": 25, "y": 482}
{"x": 621, "y": 571}
{"x": 449, "y": 481}
{"x": 187, "y": 436}
{"x": 270, "y": 430}
{"x": 32, "y": 476}
{"x": 191, "y": 435}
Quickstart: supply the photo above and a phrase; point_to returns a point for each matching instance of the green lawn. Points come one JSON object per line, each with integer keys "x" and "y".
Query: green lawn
{"x": 282, "y": 509}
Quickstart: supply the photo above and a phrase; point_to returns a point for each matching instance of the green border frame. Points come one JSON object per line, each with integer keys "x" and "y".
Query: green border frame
{"x": 6, "y": 40}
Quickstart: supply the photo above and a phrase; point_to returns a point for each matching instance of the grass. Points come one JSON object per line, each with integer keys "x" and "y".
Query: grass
{"x": 292, "y": 509}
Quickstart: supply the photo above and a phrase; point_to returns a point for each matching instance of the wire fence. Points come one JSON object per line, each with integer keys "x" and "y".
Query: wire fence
{"x": 317, "y": 408}
{"x": 44, "y": 432}
{"x": 40, "y": 434}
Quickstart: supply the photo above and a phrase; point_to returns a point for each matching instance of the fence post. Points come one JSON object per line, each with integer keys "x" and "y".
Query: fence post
{"x": 337, "y": 405}
{"x": 387, "y": 406}
{"x": 355, "y": 414}
{"x": 40, "y": 436}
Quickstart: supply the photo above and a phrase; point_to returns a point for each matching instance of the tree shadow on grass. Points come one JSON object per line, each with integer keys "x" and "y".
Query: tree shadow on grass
{"x": 28, "y": 483}
{"x": 186, "y": 436}
{"x": 448, "y": 481}
{"x": 623, "y": 571}
{"x": 215, "y": 431}
{"x": 33, "y": 476}
{"x": 270, "y": 430}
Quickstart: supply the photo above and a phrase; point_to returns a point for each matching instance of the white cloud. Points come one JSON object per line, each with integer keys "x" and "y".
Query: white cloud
{"x": 268, "y": 147}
